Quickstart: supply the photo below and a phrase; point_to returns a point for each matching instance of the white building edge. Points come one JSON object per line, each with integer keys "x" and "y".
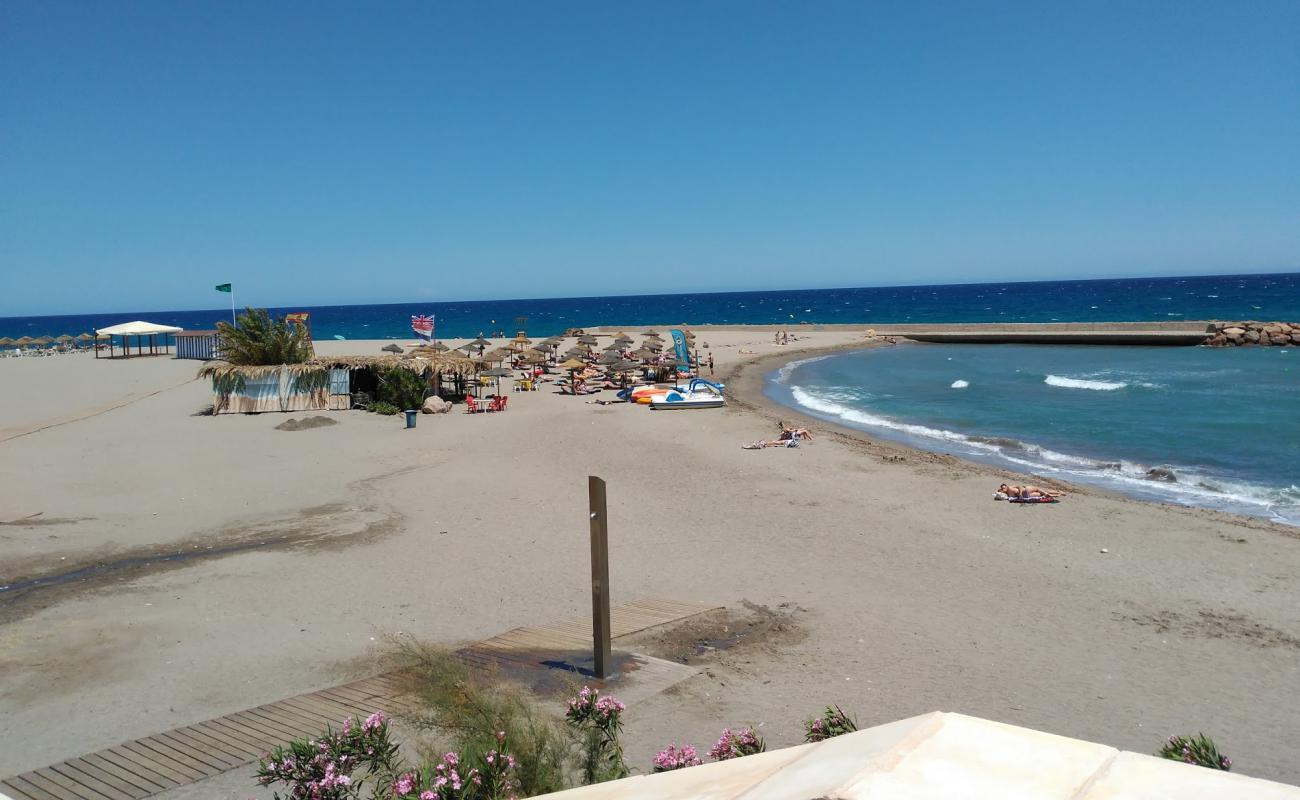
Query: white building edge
{"x": 941, "y": 756}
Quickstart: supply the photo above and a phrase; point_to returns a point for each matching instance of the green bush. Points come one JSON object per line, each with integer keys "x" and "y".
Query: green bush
{"x": 387, "y": 409}
{"x": 1199, "y": 750}
{"x": 401, "y": 387}
{"x": 473, "y": 709}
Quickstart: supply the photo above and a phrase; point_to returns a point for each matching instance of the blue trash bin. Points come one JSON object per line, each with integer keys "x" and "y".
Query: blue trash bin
{"x": 410, "y": 418}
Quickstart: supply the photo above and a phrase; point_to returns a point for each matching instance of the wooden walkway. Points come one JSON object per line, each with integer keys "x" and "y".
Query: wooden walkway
{"x": 187, "y": 755}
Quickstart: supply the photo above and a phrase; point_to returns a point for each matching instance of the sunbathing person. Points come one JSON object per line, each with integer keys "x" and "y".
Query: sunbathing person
{"x": 764, "y": 443}
{"x": 794, "y": 433}
{"x": 1026, "y": 492}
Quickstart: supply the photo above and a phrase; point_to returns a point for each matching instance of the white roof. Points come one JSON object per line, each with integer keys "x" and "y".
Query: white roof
{"x": 939, "y": 756}
{"x": 137, "y": 328}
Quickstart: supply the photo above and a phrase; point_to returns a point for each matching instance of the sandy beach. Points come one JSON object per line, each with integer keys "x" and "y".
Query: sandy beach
{"x": 900, "y": 585}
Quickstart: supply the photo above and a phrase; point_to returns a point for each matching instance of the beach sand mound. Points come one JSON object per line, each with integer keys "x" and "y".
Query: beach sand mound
{"x": 306, "y": 423}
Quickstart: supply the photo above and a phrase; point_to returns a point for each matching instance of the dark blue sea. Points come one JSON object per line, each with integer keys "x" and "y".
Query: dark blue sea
{"x": 1265, "y": 297}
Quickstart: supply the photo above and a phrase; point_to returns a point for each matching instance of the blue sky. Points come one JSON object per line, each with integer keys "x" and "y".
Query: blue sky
{"x": 317, "y": 153}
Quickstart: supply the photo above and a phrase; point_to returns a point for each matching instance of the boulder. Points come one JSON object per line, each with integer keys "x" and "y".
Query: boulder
{"x": 435, "y": 405}
{"x": 1295, "y": 338}
{"x": 1164, "y": 474}
{"x": 1234, "y": 332}
{"x": 1280, "y": 339}
{"x": 1251, "y": 336}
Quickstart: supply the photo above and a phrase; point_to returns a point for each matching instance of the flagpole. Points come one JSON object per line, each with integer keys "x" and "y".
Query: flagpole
{"x": 233, "y": 323}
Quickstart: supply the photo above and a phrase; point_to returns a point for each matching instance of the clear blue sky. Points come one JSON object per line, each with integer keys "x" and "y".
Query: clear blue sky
{"x": 321, "y": 152}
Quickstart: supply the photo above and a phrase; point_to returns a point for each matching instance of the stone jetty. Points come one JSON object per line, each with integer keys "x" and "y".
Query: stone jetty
{"x": 1248, "y": 334}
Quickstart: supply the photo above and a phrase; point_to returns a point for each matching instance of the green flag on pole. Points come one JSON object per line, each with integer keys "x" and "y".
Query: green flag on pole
{"x": 223, "y": 287}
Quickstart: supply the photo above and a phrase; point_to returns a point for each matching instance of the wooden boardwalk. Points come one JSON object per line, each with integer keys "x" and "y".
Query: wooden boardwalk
{"x": 154, "y": 764}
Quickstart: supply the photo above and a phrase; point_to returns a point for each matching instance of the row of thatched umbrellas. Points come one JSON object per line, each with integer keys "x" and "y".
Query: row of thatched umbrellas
{"x": 45, "y": 340}
{"x": 530, "y": 352}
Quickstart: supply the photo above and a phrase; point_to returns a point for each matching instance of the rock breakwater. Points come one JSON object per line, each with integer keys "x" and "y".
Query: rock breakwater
{"x": 1250, "y": 334}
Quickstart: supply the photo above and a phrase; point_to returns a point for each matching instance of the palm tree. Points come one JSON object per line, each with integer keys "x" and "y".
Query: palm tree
{"x": 260, "y": 339}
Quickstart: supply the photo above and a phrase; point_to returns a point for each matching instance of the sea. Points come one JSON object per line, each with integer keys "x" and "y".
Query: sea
{"x": 1209, "y": 427}
{"x": 1266, "y": 297}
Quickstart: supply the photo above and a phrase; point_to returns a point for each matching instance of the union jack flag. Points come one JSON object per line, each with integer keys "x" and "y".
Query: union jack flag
{"x": 423, "y": 326}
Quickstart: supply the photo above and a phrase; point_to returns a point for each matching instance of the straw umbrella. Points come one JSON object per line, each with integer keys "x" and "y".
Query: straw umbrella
{"x": 498, "y": 373}
{"x": 439, "y": 347}
{"x": 64, "y": 339}
{"x": 481, "y": 343}
{"x": 610, "y": 357}
{"x": 573, "y": 365}
{"x": 392, "y": 348}
{"x": 44, "y": 340}
{"x": 5, "y": 341}
{"x": 24, "y": 341}
{"x": 650, "y": 332}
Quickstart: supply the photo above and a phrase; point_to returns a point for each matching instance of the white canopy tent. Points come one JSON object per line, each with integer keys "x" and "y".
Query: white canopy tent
{"x": 139, "y": 329}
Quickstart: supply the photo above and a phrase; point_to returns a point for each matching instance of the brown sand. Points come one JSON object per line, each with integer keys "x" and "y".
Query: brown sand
{"x": 901, "y": 586}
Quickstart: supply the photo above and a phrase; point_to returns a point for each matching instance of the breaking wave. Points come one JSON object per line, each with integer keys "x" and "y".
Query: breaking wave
{"x": 1164, "y": 482}
{"x": 1083, "y": 383}
{"x": 960, "y": 384}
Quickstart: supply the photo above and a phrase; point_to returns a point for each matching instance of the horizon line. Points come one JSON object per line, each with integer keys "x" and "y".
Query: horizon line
{"x": 1292, "y": 271}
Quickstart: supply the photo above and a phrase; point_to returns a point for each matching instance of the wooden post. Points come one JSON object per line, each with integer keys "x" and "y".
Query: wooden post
{"x": 599, "y": 575}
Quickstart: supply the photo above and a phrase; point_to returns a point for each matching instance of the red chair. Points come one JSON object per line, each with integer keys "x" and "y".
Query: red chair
{"x": 504, "y": 399}
{"x": 470, "y": 406}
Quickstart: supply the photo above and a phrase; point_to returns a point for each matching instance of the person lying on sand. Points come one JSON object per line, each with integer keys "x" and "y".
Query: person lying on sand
{"x": 793, "y": 433}
{"x": 764, "y": 443}
{"x": 1024, "y": 492}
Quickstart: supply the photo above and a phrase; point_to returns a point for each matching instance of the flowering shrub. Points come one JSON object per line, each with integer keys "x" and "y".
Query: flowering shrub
{"x": 599, "y": 721}
{"x": 1200, "y": 751}
{"x": 832, "y": 722}
{"x": 336, "y": 766}
{"x": 328, "y": 768}
{"x": 734, "y": 744}
{"x": 674, "y": 757}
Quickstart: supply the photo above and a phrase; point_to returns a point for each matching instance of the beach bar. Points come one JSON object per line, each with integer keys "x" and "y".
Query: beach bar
{"x": 319, "y": 384}
{"x": 198, "y": 345}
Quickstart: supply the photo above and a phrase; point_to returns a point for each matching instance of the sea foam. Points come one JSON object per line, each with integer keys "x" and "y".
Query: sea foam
{"x": 1083, "y": 383}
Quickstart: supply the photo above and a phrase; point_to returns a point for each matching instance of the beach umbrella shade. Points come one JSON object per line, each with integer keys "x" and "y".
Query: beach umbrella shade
{"x": 498, "y": 373}
{"x": 85, "y": 337}
{"x": 439, "y": 347}
{"x": 573, "y": 364}
{"x": 6, "y": 341}
{"x": 42, "y": 340}
{"x": 65, "y": 338}
{"x": 652, "y": 345}
{"x": 575, "y": 352}
{"x": 623, "y": 338}
{"x": 650, "y": 332}
{"x": 610, "y": 358}
{"x": 24, "y": 341}
{"x": 480, "y": 342}
{"x": 392, "y": 348}
{"x": 613, "y": 346}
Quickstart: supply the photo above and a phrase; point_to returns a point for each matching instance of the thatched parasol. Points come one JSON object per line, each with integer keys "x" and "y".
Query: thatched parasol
{"x": 392, "y": 348}
{"x": 613, "y": 346}
{"x": 42, "y": 340}
{"x": 438, "y": 347}
{"x": 573, "y": 364}
{"x": 24, "y": 341}
{"x": 65, "y": 338}
{"x": 650, "y": 344}
{"x": 533, "y": 357}
{"x": 85, "y": 337}
{"x": 480, "y": 342}
{"x": 610, "y": 358}
{"x": 588, "y": 339}
{"x": 646, "y": 354}
{"x": 498, "y": 373}
{"x": 650, "y": 332}
{"x": 6, "y": 341}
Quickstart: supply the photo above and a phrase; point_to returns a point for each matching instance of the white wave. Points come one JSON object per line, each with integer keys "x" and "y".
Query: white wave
{"x": 1190, "y": 486}
{"x": 959, "y": 384}
{"x": 783, "y": 374}
{"x": 1082, "y": 383}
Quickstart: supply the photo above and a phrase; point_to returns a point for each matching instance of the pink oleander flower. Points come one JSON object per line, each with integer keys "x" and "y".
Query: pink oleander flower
{"x": 405, "y": 784}
{"x": 374, "y": 722}
{"x": 428, "y": 794}
{"x": 735, "y": 744}
{"x": 674, "y": 757}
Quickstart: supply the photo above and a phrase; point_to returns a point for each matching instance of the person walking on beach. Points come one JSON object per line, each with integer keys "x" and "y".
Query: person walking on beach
{"x": 710, "y": 365}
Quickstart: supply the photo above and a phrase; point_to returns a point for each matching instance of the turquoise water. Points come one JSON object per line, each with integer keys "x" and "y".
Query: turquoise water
{"x": 1200, "y": 426}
